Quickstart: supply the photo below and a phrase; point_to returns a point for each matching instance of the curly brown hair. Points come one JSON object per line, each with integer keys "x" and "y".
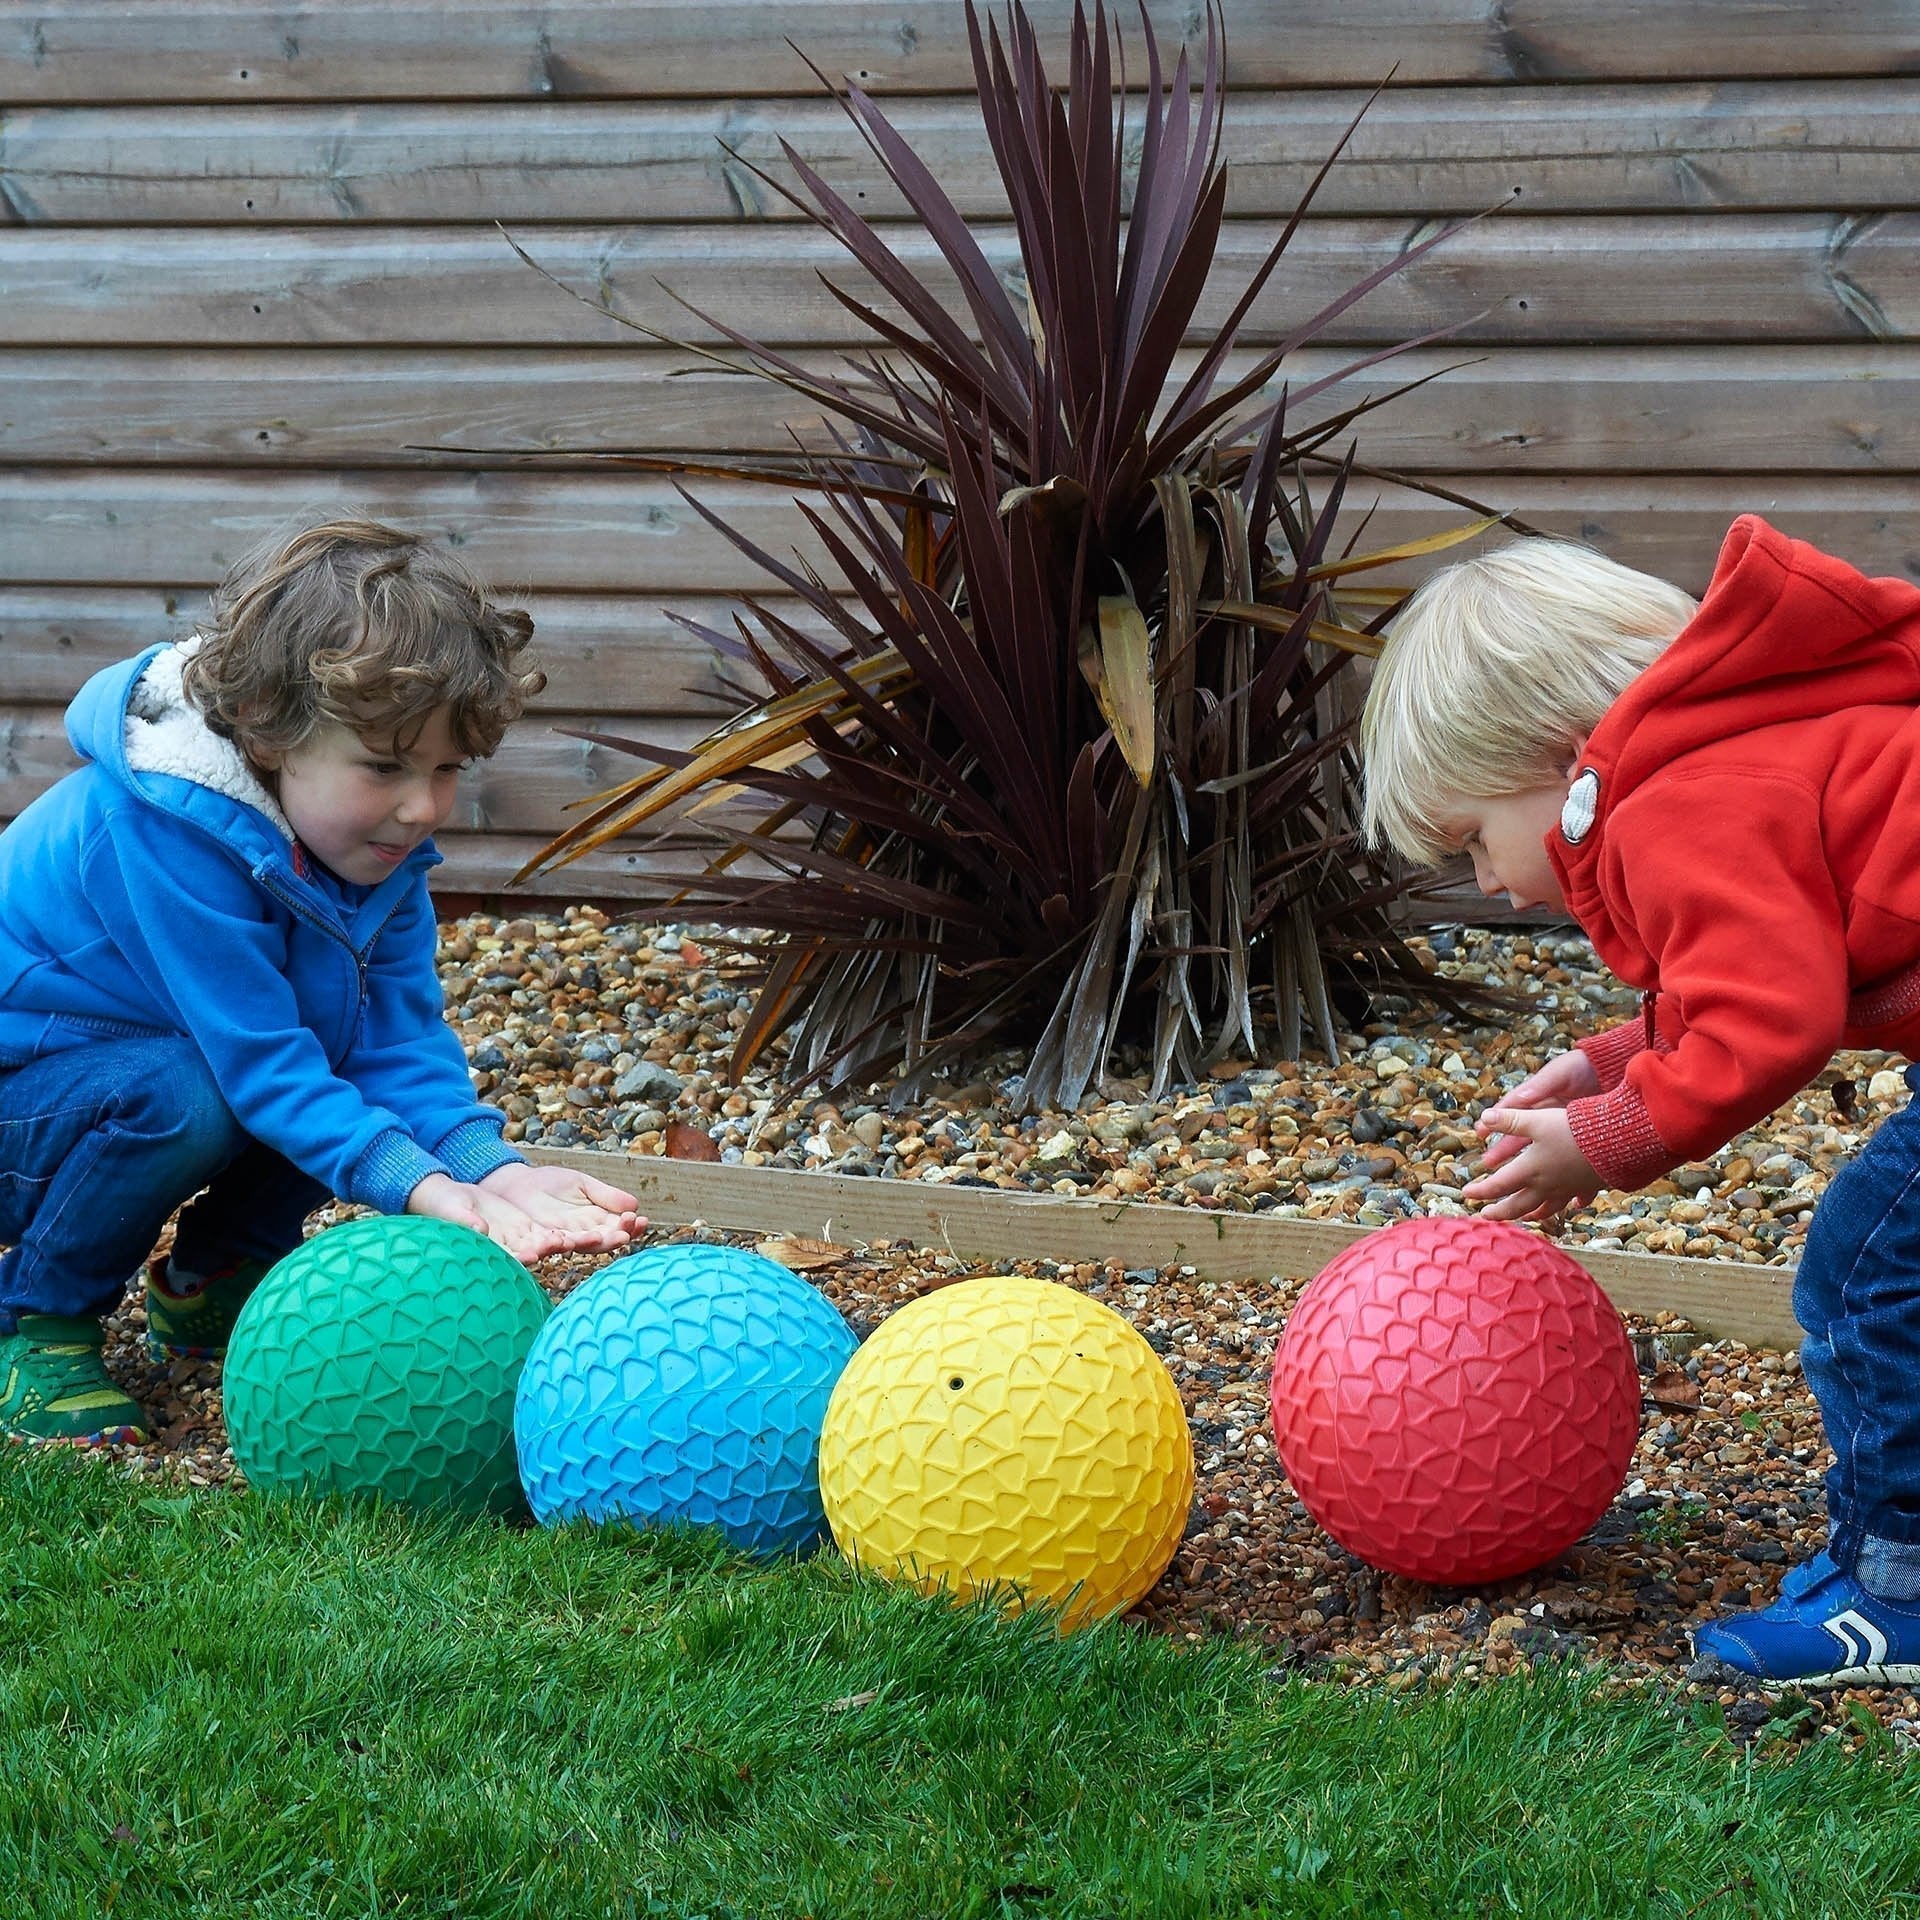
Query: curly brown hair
{"x": 359, "y": 625}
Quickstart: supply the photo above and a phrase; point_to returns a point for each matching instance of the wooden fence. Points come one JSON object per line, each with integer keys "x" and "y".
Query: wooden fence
{"x": 249, "y": 265}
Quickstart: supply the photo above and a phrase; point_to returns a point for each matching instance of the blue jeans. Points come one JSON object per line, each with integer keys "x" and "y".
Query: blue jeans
{"x": 1857, "y": 1295}
{"x": 98, "y": 1148}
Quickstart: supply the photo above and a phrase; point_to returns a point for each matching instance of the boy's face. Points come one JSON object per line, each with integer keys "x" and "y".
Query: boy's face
{"x": 360, "y": 808}
{"x": 1506, "y": 840}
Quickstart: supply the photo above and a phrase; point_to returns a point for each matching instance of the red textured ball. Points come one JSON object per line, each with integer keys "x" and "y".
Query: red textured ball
{"x": 1455, "y": 1400}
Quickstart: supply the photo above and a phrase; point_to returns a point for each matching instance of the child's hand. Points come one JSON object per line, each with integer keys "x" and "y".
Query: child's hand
{"x": 440, "y": 1197}
{"x": 1535, "y": 1179}
{"x": 594, "y": 1217}
{"x": 1567, "y": 1076}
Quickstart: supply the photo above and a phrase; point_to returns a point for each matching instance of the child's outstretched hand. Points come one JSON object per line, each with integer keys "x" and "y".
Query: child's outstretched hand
{"x": 527, "y": 1231}
{"x": 593, "y": 1217}
{"x": 1533, "y": 1168}
{"x": 1567, "y": 1076}
{"x": 440, "y": 1197}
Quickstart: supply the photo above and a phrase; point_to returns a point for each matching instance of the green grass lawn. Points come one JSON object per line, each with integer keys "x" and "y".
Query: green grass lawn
{"x": 213, "y": 1704}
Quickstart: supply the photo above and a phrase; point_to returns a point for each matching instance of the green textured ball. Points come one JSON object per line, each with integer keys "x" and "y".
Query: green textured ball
{"x": 382, "y": 1357}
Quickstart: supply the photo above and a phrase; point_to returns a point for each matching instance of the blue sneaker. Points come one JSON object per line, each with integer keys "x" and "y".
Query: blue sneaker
{"x": 1825, "y": 1630}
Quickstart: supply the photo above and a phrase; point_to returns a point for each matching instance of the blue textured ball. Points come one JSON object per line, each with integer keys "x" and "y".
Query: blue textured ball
{"x": 685, "y": 1384}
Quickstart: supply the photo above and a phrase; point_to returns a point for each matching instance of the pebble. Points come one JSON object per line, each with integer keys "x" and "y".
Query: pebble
{"x": 645, "y": 1080}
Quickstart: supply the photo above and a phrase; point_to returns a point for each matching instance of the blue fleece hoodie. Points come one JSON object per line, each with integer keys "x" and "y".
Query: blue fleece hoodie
{"x": 160, "y": 890}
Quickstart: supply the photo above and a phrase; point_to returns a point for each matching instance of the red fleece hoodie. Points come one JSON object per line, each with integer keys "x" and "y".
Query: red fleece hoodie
{"x": 1753, "y": 852}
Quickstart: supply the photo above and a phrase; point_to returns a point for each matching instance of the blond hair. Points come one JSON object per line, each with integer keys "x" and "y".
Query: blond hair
{"x": 1492, "y": 671}
{"x": 352, "y": 623}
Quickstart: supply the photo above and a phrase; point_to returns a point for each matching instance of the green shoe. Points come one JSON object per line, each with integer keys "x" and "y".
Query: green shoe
{"x": 54, "y": 1385}
{"x": 197, "y": 1323}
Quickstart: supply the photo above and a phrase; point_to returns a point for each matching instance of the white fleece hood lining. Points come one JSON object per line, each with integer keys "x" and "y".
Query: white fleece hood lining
{"x": 166, "y": 733}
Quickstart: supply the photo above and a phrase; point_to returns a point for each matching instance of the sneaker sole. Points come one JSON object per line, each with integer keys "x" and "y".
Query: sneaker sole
{"x": 1896, "y": 1673}
{"x": 159, "y": 1350}
{"x": 106, "y": 1437}
{"x": 1892, "y": 1673}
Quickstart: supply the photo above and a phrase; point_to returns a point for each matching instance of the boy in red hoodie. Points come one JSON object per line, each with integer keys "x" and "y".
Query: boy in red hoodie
{"x": 1727, "y": 799}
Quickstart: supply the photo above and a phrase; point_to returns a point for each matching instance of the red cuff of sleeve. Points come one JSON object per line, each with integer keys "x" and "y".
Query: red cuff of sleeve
{"x": 1610, "y": 1051}
{"x": 1616, "y": 1134}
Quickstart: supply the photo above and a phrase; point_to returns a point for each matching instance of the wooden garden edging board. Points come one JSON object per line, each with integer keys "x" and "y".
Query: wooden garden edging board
{"x": 1722, "y": 1298}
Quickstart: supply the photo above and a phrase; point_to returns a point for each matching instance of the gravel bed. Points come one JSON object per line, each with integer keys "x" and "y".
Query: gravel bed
{"x": 597, "y": 1035}
{"x": 589, "y": 1035}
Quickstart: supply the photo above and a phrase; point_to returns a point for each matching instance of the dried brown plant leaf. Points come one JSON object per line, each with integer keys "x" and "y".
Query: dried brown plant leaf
{"x": 685, "y": 1142}
{"x": 1124, "y": 688}
{"x": 799, "y": 1254}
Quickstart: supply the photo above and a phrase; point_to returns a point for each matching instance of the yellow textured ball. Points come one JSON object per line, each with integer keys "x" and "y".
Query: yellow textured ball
{"x": 1009, "y": 1435}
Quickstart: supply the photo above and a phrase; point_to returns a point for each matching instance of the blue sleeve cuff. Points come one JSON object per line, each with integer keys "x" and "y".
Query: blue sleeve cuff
{"x": 475, "y": 1149}
{"x": 389, "y": 1170}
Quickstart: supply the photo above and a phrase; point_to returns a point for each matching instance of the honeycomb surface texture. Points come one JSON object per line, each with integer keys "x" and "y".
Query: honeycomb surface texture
{"x": 1455, "y": 1400}
{"x": 1010, "y": 1435}
{"x": 381, "y": 1357}
{"x": 686, "y": 1385}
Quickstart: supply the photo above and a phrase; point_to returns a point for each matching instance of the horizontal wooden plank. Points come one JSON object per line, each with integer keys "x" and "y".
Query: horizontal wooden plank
{"x": 228, "y": 50}
{"x": 484, "y": 864}
{"x": 599, "y": 653}
{"x": 1599, "y": 278}
{"x": 124, "y": 527}
{"x": 1723, "y": 1299}
{"x": 383, "y": 406}
{"x": 51, "y": 639}
{"x": 523, "y": 789}
{"x": 588, "y": 533}
{"x": 33, "y": 754}
{"x": 1851, "y": 408}
{"x": 481, "y": 866}
{"x": 540, "y": 770}
{"x": 1849, "y": 145}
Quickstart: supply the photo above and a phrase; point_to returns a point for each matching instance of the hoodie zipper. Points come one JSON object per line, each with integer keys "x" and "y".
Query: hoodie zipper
{"x": 301, "y": 910}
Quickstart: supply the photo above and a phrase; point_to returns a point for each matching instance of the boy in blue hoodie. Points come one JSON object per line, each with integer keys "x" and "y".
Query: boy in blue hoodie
{"x": 217, "y": 965}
